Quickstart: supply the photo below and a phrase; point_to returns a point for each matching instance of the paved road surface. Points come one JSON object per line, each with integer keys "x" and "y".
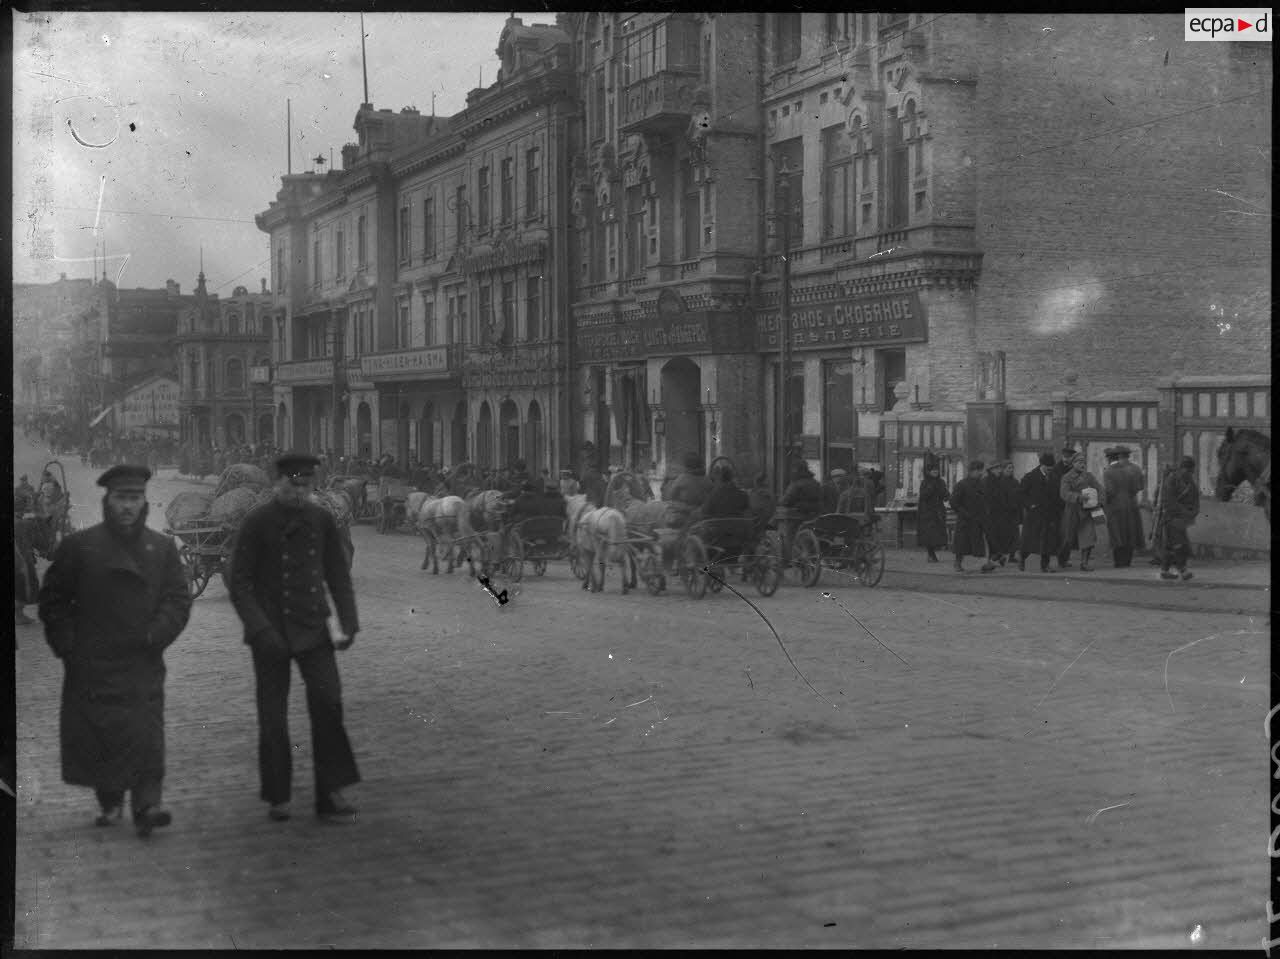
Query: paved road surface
{"x": 1061, "y": 762}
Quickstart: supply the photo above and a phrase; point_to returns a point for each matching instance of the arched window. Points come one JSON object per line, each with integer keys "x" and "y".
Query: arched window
{"x": 233, "y": 323}
{"x": 235, "y": 374}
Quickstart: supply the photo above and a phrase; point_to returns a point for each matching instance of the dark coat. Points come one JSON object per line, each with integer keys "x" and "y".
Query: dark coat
{"x": 1041, "y": 508}
{"x": 110, "y": 609}
{"x": 282, "y": 560}
{"x": 931, "y": 526}
{"x": 1003, "y": 512}
{"x": 725, "y": 499}
{"x": 689, "y": 488}
{"x": 830, "y": 496}
{"x": 593, "y": 485}
{"x": 969, "y": 501}
{"x": 805, "y": 496}
{"x": 1123, "y": 484}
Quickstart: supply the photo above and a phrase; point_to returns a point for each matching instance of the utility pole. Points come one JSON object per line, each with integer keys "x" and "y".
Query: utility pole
{"x": 783, "y": 210}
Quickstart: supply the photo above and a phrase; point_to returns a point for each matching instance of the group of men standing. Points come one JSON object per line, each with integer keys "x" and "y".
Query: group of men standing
{"x": 1057, "y": 508}
{"x": 115, "y": 597}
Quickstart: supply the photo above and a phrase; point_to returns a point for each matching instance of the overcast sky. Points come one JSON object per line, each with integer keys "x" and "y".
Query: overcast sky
{"x": 177, "y": 122}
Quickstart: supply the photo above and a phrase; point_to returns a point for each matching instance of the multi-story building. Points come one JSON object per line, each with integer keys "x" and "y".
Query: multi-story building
{"x": 419, "y": 290}
{"x": 667, "y": 205}
{"x": 222, "y": 352}
{"x": 57, "y": 344}
{"x": 995, "y": 216}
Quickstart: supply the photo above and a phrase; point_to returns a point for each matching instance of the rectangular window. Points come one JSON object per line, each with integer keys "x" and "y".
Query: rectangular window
{"x": 280, "y": 282}
{"x": 404, "y": 234}
{"x": 507, "y": 335}
{"x": 893, "y": 370}
{"x": 459, "y": 334}
{"x": 836, "y": 26}
{"x": 897, "y": 175}
{"x": 430, "y": 334}
{"x": 315, "y": 262}
{"x": 362, "y": 247}
{"x": 532, "y": 175}
{"x": 692, "y": 224}
{"x": 507, "y": 196}
{"x": 482, "y": 200}
{"x": 402, "y": 325}
{"x": 634, "y": 251}
{"x": 597, "y": 116}
{"x": 484, "y": 319}
{"x": 460, "y": 215}
{"x": 786, "y": 38}
{"x": 533, "y": 308}
{"x": 837, "y": 186}
{"x": 340, "y": 255}
{"x": 429, "y": 227}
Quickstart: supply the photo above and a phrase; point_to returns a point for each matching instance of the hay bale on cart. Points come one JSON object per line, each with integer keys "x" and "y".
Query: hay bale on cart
{"x": 241, "y": 474}
{"x": 188, "y": 508}
{"x": 231, "y": 507}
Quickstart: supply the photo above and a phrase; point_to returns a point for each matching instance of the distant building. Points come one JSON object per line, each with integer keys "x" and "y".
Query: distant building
{"x": 218, "y": 347}
{"x": 149, "y": 407}
{"x": 56, "y": 343}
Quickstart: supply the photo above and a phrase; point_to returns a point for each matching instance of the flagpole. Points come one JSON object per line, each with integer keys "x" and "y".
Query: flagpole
{"x": 364, "y": 67}
{"x": 288, "y": 136}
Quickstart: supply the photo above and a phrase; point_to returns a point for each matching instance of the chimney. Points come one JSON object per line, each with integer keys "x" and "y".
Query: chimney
{"x": 349, "y": 153}
{"x": 264, "y": 284}
{"x": 173, "y": 289}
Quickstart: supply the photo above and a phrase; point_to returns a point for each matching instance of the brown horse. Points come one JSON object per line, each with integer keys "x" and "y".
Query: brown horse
{"x": 1245, "y": 455}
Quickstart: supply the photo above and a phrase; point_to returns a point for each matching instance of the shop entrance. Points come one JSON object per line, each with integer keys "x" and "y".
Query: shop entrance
{"x": 681, "y": 389}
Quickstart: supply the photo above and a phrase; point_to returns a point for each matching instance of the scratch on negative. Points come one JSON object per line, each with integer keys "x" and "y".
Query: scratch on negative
{"x": 1238, "y": 632}
{"x": 1093, "y": 817}
{"x": 613, "y": 720}
{"x": 641, "y": 703}
{"x": 1064, "y": 672}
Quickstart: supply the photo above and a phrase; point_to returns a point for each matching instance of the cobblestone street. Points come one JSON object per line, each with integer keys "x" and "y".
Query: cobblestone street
{"x": 1061, "y": 761}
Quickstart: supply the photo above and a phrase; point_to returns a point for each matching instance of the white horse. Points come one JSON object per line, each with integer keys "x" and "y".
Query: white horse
{"x": 482, "y": 518}
{"x": 598, "y": 535}
{"x": 438, "y": 519}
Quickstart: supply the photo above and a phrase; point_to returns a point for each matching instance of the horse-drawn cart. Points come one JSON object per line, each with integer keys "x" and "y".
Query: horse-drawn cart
{"x": 537, "y": 540}
{"x": 205, "y": 551}
{"x": 392, "y": 495}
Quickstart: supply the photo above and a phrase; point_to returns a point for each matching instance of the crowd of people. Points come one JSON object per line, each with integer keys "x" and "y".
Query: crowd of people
{"x": 1056, "y": 509}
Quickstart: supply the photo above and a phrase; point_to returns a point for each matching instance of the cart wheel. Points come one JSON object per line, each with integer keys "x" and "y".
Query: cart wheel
{"x": 715, "y": 578}
{"x": 768, "y": 574}
{"x": 539, "y": 567}
{"x": 806, "y": 557}
{"x": 692, "y": 560}
{"x": 651, "y": 573}
{"x": 199, "y": 574}
{"x": 869, "y": 565}
{"x": 512, "y": 565}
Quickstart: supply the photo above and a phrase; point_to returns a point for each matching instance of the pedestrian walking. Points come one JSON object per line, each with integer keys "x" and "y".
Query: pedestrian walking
{"x": 1061, "y": 469}
{"x": 1177, "y": 509}
{"x": 1038, "y": 497}
{"x": 931, "y": 510}
{"x": 968, "y": 499}
{"x": 1122, "y": 486}
{"x": 114, "y": 599}
{"x": 287, "y": 551}
{"x": 1004, "y": 512}
{"x": 1081, "y": 495}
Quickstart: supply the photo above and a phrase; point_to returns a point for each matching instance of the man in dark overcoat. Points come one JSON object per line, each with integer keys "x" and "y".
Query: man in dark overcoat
{"x": 1041, "y": 507}
{"x": 969, "y": 501}
{"x": 114, "y": 599}
{"x": 287, "y": 551}
{"x": 1061, "y": 469}
{"x": 1178, "y": 508}
{"x": 1123, "y": 483}
{"x": 1004, "y": 512}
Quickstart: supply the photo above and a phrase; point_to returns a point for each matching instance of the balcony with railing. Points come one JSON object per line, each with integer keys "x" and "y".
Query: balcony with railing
{"x": 662, "y": 103}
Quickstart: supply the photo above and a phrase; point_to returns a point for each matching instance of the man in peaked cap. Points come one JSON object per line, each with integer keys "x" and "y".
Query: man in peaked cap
{"x": 287, "y": 551}
{"x": 114, "y": 599}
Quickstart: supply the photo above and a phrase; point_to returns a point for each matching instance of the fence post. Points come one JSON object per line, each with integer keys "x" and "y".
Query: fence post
{"x": 1167, "y": 422}
{"x": 1061, "y": 427}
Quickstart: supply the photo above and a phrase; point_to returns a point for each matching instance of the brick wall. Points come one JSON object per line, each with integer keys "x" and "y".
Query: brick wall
{"x": 950, "y": 348}
{"x": 1105, "y": 238}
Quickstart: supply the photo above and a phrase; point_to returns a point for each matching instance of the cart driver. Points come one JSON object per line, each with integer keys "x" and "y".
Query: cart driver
{"x": 803, "y": 500}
